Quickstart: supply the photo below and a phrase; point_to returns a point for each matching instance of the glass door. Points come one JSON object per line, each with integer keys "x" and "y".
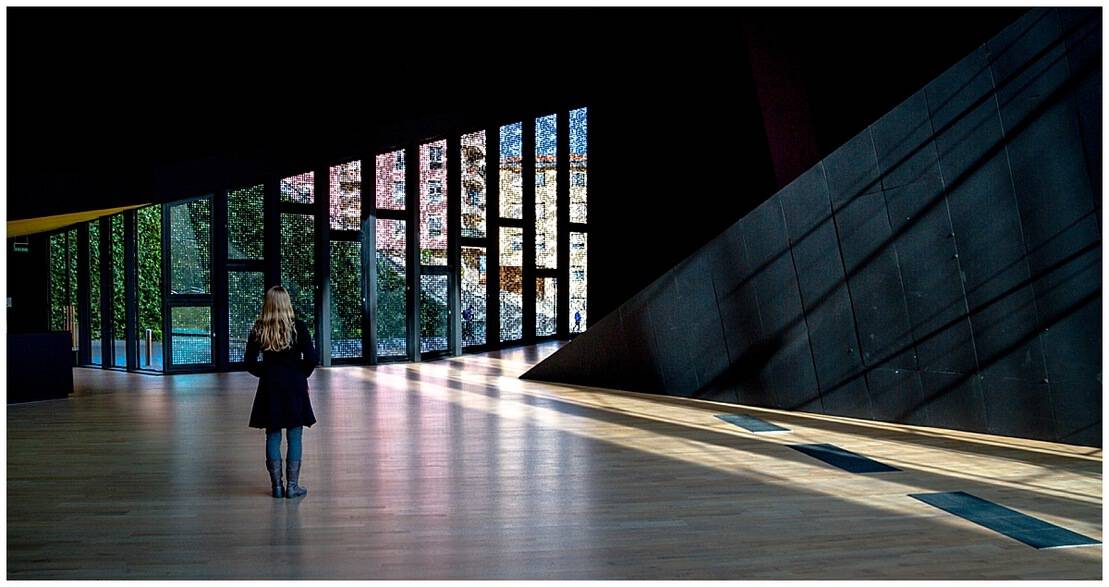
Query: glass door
{"x": 188, "y": 316}
{"x": 434, "y": 319}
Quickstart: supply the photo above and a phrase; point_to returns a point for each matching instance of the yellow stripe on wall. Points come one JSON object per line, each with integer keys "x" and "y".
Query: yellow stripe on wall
{"x": 44, "y": 223}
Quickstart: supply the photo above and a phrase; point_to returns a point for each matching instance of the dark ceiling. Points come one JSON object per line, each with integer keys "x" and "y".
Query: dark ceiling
{"x": 113, "y": 106}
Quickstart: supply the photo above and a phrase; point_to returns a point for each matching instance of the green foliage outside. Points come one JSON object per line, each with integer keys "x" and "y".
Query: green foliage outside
{"x": 71, "y": 265}
{"x": 119, "y": 308}
{"x": 391, "y": 304}
{"x": 191, "y": 320}
{"x": 57, "y": 281}
{"x": 94, "y": 280}
{"x": 390, "y": 299}
{"x": 245, "y": 226}
{"x": 346, "y": 290}
{"x": 149, "y": 249}
{"x": 190, "y": 246}
{"x": 433, "y": 315}
{"x": 298, "y": 246}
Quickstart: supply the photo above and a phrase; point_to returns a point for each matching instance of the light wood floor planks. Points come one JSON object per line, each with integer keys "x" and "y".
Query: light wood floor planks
{"x": 456, "y": 469}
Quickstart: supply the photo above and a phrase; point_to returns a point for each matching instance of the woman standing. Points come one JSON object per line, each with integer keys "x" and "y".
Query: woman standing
{"x": 288, "y": 358}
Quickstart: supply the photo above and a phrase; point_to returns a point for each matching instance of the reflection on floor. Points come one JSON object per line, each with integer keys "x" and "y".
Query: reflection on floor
{"x": 456, "y": 469}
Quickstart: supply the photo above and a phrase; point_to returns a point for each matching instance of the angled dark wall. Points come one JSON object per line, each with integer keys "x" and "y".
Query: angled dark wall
{"x": 941, "y": 268}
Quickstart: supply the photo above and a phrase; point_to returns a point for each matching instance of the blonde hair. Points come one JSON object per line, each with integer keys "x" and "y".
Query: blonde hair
{"x": 275, "y": 327}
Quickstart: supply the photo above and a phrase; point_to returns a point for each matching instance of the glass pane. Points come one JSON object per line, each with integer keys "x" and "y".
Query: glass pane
{"x": 579, "y": 250}
{"x": 579, "y": 158}
{"x": 71, "y": 280}
{"x": 245, "y": 292}
{"x": 391, "y": 278}
{"x": 546, "y": 192}
{"x": 119, "y": 304}
{"x": 190, "y": 247}
{"x": 346, "y": 196}
{"x": 512, "y": 193}
{"x": 245, "y": 223}
{"x": 192, "y": 335}
{"x": 299, "y": 188}
{"x": 433, "y": 313}
{"x": 298, "y": 270}
{"x": 546, "y": 306}
{"x": 473, "y": 185}
{"x": 473, "y": 295}
{"x": 433, "y": 203}
{"x": 149, "y": 258}
{"x": 346, "y": 299}
{"x": 390, "y": 188}
{"x": 95, "y": 310}
{"x": 57, "y": 282}
{"x": 512, "y": 283}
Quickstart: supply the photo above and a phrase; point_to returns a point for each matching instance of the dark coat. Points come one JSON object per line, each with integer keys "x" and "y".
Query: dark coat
{"x": 282, "y": 397}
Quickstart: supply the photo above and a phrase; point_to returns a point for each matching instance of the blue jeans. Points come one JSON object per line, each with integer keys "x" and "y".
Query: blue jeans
{"x": 273, "y": 443}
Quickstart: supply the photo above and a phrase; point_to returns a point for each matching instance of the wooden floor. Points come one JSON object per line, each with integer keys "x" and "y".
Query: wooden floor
{"x": 456, "y": 469}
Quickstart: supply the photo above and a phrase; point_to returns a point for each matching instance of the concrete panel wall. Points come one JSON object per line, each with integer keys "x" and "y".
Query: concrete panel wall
{"x": 942, "y": 268}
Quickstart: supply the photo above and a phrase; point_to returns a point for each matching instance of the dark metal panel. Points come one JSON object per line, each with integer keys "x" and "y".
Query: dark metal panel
{"x": 1067, "y": 273}
{"x": 852, "y": 170}
{"x": 903, "y": 143}
{"x": 872, "y": 273}
{"x": 991, "y": 250}
{"x": 702, "y": 333}
{"x": 1052, "y": 185}
{"x": 643, "y": 360}
{"x": 1019, "y": 408}
{"x": 1077, "y": 407}
{"x": 1035, "y": 92}
{"x": 824, "y": 295}
{"x": 789, "y": 366}
{"x": 954, "y": 401}
{"x": 897, "y": 395}
{"x": 739, "y": 314}
{"x": 772, "y": 264}
{"x": 654, "y": 312}
{"x": 930, "y": 274}
{"x": 1082, "y": 27}
{"x": 1028, "y": 63}
{"x": 1006, "y": 333}
{"x": 603, "y": 358}
{"x": 965, "y": 117}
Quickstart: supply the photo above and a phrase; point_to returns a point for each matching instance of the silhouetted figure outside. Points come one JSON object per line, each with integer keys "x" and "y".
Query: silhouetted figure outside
{"x": 468, "y": 321}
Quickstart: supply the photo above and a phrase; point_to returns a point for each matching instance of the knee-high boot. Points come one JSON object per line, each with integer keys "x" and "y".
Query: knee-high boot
{"x": 292, "y": 474}
{"x": 274, "y": 468}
